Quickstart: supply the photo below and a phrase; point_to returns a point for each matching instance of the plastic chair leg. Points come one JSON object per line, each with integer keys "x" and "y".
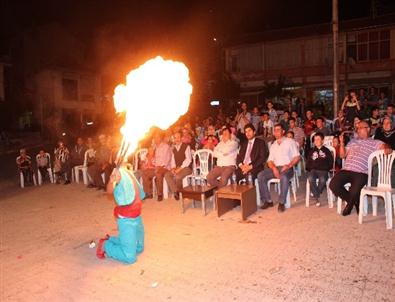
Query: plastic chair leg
{"x": 85, "y": 176}
{"x": 76, "y": 175}
{"x": 50, "y": 175}
{"x": 361, "y": 208}
{"x": 39, "y": 178}
{"x": 374, "y": 205}
{"x": 388, "y": 210}
{"x": 22, "y": 180}
{"x": 307, "y": 193}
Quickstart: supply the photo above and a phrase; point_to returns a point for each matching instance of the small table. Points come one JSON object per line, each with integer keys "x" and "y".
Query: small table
{"x": 231, "y": 196}
{"x": 197, "y": 193}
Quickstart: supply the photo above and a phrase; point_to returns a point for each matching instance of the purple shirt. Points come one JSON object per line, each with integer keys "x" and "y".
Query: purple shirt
{"x": 358, "y": 152}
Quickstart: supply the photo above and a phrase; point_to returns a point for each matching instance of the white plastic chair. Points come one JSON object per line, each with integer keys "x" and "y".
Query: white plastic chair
{"x": 49, "y": 169}
{"x": 383, "y": 189}
{"x": 328, "y": 140}
{"x": 140, "y": 154}
{"x": 276, "y": 181}
{"x": 329, "y": 193}
{"x": 311, "y": 139}
{"x": 22, "y": 178}
{"x": 206, "y": 163}
{"x": 83, "y": 168}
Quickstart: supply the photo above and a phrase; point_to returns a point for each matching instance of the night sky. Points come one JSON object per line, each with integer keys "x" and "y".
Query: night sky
{"x": 227, "y": 16}
{"x": 110, "y": 33}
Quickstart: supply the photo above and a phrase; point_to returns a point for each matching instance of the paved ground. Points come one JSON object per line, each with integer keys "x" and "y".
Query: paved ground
{"x": 301, "y": 255}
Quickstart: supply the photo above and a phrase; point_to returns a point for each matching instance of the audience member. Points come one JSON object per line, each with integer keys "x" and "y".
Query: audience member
{"x": 283, "y": 156}
{"x": 181, "y": 165}
{"x": 319, "y": 163}
{"x": 252, "y": 155}
{"x": 24, "y": 163}
{"x": 226, "y": 154}
{"x": 355, "y": 170}
{"x": 61, "y": 163}
{"x": 162, "y": 161}
{"x": 95, "y": 171}
{"x": 297, "y": 131}
{"x": 43, "y": 163}
{"x": 350, "y": 107}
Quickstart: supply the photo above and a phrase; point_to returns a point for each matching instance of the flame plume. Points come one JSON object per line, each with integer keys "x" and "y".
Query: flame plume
{"x": 155, "y": 94}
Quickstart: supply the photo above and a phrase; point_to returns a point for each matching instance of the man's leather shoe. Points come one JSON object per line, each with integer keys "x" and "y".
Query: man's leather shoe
{"x": 176, "y": 196}
{"x": 148, "y": 196}
{"x": 160, "y": 197}
{"x": 266, "y": 205}
{"x": 347, "y": 210}
{"x": 281, "y": 207}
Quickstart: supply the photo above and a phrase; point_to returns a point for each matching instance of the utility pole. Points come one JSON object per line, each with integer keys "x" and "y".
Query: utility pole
{"x": 335, "y": 30}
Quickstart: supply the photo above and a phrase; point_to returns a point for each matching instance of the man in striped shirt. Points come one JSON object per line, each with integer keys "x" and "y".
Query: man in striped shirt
{"x": 355, "y": 169}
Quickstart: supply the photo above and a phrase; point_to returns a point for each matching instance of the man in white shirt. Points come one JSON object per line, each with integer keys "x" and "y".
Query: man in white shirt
{"x": 283, "y": 156}
{"x": 226, "y": 153}
{"x": 181, "y": 163}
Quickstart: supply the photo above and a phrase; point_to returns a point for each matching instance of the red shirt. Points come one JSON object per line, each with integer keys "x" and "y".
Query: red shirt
{"x": 309, "y": 126}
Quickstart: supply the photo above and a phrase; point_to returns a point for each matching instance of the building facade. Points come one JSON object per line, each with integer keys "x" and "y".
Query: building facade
{"x": 66, "y": 99}
{"x": 304, "y": 57}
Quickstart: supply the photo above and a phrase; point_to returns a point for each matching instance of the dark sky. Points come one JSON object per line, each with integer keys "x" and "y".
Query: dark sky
{"x": 115, "y": 35}
{"x": 227, "y": 16}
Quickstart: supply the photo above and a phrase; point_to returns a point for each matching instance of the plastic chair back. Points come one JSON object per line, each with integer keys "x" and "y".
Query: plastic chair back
{"x": 140, "y": 154}
{"x": 206, "y": 161}
{"x": 384, "y": 163}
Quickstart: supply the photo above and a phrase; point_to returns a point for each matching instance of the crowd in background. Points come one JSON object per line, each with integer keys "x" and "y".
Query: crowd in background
{"x": 241, "y": 141}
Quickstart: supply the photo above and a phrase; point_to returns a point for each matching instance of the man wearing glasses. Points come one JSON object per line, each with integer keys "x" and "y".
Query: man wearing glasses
{"x": 355, "y": 169}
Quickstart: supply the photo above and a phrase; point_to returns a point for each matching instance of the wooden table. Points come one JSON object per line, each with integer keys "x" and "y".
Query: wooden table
{"x": 197, "y": 193}
{"x": 233, "y": 195}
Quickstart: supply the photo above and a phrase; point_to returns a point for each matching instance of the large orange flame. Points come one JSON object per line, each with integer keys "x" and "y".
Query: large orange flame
{"x": 155, "y": 94}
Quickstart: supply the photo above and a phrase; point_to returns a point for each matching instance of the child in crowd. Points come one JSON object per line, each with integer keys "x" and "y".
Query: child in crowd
{"x": 319, "y": 163}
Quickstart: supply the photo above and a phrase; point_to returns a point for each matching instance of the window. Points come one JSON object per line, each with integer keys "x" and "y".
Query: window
{"x": 385, "y": 44}
{"x": 369, "y": 46}
{"x": 235, "y": 64}
{"x": 70, "y": 89}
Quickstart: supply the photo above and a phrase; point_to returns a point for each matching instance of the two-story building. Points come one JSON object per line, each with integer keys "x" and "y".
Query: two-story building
{"x": 66, "y": 98}
{"x": 304, "y": 56}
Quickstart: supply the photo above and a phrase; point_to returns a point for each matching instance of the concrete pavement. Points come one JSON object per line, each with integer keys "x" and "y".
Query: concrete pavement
{"x": 301, "y": 255}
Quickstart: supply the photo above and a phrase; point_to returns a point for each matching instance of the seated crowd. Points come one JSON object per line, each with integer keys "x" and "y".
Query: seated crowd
{"x": 254, "y": 147}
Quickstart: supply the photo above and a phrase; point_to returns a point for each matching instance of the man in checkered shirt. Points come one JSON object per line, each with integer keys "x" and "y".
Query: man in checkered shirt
{"x": 355, "y": 169}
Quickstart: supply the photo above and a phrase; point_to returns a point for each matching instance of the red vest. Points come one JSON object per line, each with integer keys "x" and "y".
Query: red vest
{"x": 132, "y": 210}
